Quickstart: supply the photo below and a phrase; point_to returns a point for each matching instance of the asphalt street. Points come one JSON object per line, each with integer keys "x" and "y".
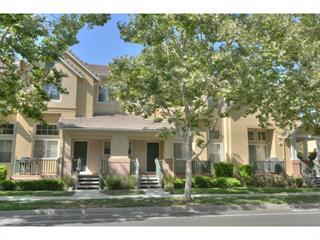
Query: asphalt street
{"x": 269, "y": 215}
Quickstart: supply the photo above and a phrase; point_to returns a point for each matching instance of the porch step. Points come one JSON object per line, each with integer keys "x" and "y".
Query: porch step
{"x": 88, "y": 182}
{"x": 317, "y": 182}
{"x": 149, "y": 181}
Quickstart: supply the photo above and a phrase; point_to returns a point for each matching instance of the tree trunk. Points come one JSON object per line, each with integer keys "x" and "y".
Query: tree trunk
{"x": 187, "y": 188}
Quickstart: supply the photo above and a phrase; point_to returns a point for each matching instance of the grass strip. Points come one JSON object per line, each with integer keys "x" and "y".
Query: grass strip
{"x": 154, "y": 202}
{"x": 124, "y": 192}
{"x": 35, "y": 193}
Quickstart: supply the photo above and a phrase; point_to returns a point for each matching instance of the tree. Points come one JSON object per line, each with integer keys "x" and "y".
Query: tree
{"x": 187, "y": 61}
{"x": 30, "y": 45}
{"x": 284, "y": 68}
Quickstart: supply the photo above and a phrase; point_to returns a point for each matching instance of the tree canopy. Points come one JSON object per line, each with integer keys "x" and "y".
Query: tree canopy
{"x": 30, "y": 45}
{"x": 197, "y": 68}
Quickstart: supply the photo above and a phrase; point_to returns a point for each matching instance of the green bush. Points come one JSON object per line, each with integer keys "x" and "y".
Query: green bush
{"x": 225, "y": 182}
{"x": 168, "y": 182}
{"x": 43, "y": 184}
{"x": 68, "y": 181}
{"x": 299, "y": 182}
{"x": 201, "y": 181}
{"x": 273, "y": 181}
{"x": 179, "y": 183}
{"x": 8, "y": 185}
{"x": 223, "y": 169}
{"x": 245, "y": 171}
{"x": 114, "y": 182}
{"x": 3, "y": 172}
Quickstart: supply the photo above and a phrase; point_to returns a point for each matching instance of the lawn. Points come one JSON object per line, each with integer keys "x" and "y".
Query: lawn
{"x": 155, "y": 202}
{"x": 124, "y": 192}
{"x": 244, "y": 190}
{"x": 35, "y": 193}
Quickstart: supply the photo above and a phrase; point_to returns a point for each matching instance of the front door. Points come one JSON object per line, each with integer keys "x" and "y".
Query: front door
{"x": 80, "y": 150}
{"x": 152, "y": 154}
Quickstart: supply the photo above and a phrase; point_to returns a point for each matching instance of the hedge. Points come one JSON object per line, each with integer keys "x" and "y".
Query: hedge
{"x": 8, "y": 185}
{"x": 3, "y": 172}
{"x": 38, "y": 185}
{"x": 223, "y": 169}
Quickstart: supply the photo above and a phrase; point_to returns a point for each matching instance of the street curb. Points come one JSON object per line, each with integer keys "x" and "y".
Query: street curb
{"x": 200, "y": 209}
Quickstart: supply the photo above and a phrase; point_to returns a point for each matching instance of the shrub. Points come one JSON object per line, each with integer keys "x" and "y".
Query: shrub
{"x": 298, "y": 181}
{"x": 224, "y": 182}
{"x": 168, "y": 182}
{"x": 43, "y": 184}
{"x": 223, "y": 169}
{"x": 245, "y": 171}
{"x": 8, "y": 185}
{"x": 113, "y": 182}
{"x": 179, "y": 183}
{"x": 3, "y": 172}
{"x": 201, "y": 181}
{"x": 128, "y": 182}
{"x": 68, "y": 181}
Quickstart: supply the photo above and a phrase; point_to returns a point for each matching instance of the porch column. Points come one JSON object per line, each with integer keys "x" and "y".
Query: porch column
{"x": 305, "y": 150}
{"x": 318, "y": 148}
{"x": 294, "y": 158}
{"x": 293, "y": 148}
{"x": 119, "y": 162}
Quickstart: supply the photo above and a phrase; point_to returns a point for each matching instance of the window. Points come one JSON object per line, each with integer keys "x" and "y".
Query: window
{"x": 179, "y": 151}
{"x": 258, "y": 152}
{"x": 52, "y": 91}
{"x": 214, "y": 134}
{"x": 5, "y": 151}
{"x": 47, "y": 129}
{"x": 262, "y": 136}
{"x": 107, "y": 148}
{"x": 46, "y": 148}
{"x": 103, "y": 94}
{"x": 129, "y": 149}
{"x": 7, "y": 129}
{"x": 250, "y": 135}
{"x": 215, "y": 152}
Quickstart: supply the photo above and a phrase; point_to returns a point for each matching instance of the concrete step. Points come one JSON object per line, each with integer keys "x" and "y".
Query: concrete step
{"x": 88, "y": 187}
{"x": 89, "y": 183}
{"x": 150, "y": 186}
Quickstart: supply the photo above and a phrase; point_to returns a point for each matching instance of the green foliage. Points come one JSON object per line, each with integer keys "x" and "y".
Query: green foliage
{"x": 245, "y": 170}
{"x": 3, "y": 172}
{"x": 223, "y": 169}
{"x": 179, "y": 183}
{"x": 168, "y": 182}
{"x": 115, "y": 182}
{"x": 68, "y": 181}
{"x": 38, "y": 185}
{"x": 30, "y": 45}
{"x": 225, "y": 182}
{"x": 8, "y": 185}
{"x": 201, "y": 181}
{"x": 299, "y": 182}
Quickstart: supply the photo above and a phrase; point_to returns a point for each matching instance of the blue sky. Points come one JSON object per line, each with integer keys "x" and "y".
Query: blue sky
{"x": 101, "y": 44}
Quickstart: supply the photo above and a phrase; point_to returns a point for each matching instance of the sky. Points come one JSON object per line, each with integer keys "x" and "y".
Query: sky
{"x": 101, "y": 44}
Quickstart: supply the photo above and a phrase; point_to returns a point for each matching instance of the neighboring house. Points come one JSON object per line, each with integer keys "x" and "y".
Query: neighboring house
{"x": 85, "y": 124}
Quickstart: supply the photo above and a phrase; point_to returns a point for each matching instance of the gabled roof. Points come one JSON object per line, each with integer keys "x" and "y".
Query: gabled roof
{"x": 98, "y": 69}
{"x": 113, "y": 122}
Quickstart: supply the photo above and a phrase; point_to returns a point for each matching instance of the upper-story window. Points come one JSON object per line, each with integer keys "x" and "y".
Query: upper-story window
{"x": 7, "y": 129}
{"x": 53, "y": 92}
{"x": 214, "y": 134}
{"x": 47, "y": 129}
{"x": 103, "y": 94}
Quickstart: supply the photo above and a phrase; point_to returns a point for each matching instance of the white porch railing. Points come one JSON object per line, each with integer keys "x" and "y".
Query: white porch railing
{"x": 35, "y": 166}
{"x": 159, "y": 170}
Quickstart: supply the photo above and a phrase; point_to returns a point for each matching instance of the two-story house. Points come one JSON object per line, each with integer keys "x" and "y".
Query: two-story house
{"x": 84, "y": 124}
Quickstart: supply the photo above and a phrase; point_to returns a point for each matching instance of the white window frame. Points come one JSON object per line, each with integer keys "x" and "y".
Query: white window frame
{"x": 265, "y": 144}
{"x": 105, "y": 141}
{"x": 98, "y": 92}
{"x": 40, "y": 135}
{"x": 211, "y": 147}
{"x": 46, "y": 139}
{"x": 11, "y": 137}
{"x": 262, "y": 131}
{"x": 215, "y": 139}
{"x": 184, "y": 155}
{"x": 55, "y": 100}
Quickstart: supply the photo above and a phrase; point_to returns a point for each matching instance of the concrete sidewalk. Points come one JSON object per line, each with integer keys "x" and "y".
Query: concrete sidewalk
{"x": 149, "y": 193}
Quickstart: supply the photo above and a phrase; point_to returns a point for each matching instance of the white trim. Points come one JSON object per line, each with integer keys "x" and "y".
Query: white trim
{"x": 71, "y": 68}
{"x": 72, "y": 153}
{"x": 81, "y": 64}
{"x": 112, "y": 129}
{"x": 146, "y": 154}
{"x": 45, "y": 136}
